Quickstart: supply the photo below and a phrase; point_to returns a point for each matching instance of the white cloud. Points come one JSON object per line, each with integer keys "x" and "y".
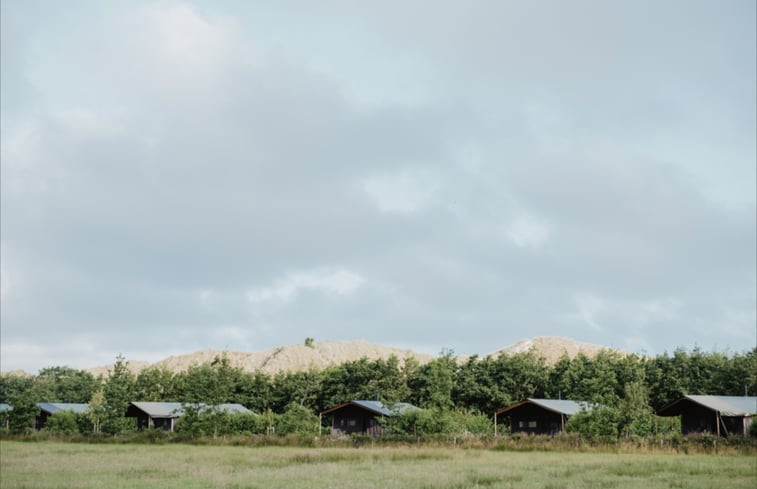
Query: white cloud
{"x": 402, "y": 192}
{"x": 184, "y": 39}
{"x": 330, "y": 282}
{"x": 588, "y": 307}
{"x": 527, "y": 232}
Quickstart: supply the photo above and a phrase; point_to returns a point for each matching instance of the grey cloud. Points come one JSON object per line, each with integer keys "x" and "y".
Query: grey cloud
{"x": 548, "y": 146}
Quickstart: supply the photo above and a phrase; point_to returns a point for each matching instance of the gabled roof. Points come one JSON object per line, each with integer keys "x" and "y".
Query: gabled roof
{"x": 160, "y": 409}
{"x": 376, "y": 407}
{"x": 725, "y": 405}
{"x": 560, "y": 406}
{"x": 54, "y": 407}
{"x": 176, "y": 409}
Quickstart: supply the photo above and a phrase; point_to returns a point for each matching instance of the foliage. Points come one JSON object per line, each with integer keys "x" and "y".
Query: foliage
{"x": 598, "y": 424}
{"x": 63, "y": 422}
{"x": 632, "y": 386}
{"x": 435, "y": 421}
{"x": 297, "y": 419}
{"x": 636, "y": 417}
{"x": 433, "y": 385}
{"x": 20, "y": 419}
{"x": 67, "y": 384}
{"x": 118, "y": 391}
{"x": 154, "y": 384}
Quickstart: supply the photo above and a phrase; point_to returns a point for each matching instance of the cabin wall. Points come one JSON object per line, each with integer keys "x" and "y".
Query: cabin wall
{"x": 41, "y": 420}
{"x": 353, "y": 420}
{"x": 697, "y": 419}
{"x": 533, "y": 419}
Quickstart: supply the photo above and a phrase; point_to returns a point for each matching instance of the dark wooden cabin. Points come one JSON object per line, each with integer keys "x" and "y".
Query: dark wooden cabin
{"x": 47, "y": 409}
{"x": 164, "y": 415}
{"x": 362, "y": 417}
{"x": 539, "y": 416}
{"x": 719, "y": 415}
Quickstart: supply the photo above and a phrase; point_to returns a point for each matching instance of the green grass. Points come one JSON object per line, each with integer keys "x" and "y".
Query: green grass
{"x": 80, "y": 465}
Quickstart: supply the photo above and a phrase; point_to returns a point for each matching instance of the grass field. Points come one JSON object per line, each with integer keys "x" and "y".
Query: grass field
{"x": 79, "y": 465}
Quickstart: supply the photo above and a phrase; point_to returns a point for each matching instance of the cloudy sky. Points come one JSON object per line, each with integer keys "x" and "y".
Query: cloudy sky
{"x": 424, "y": 174}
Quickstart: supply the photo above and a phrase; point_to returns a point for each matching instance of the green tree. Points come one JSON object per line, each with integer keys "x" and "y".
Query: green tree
{"x": 118, "y": 391}
{"x": 154, "y": 384}
{"x": 254, "y": 390}
{"x": 21, "y": 417}
{"x": 636, "y": 416}
{"x": 297, "y": 419}
{"x": 12, "y": 385}
{"x": 303, "y": 388}
{"x": 434, "y": 383}
{"x": 598, "y": 424}
{"x": 64, "y": 384}
{"x": 63, "y": 422}
{"x": 96, "y": 410}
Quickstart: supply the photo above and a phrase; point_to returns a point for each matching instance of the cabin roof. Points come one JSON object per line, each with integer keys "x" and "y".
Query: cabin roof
{"x": 725, "y": 405}
{"x": 560, "y": 406}
{"x": 54, "y": 407}
{"x": 376, "y": 407}
{"x": 176, "y": 409}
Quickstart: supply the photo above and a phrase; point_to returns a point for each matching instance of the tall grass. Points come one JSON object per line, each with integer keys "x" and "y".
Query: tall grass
{"x": 128, "y": 466}
{"x": 670, "y": 443}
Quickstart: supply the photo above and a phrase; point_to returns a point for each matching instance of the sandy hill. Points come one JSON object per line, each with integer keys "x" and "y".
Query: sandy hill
{"x": 323, "y": 354}
{"x": 290, "y": 358}
{"x": 552, "y": 348}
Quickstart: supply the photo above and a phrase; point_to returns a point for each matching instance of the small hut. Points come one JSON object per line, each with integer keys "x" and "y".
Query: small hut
{"x": 47, "y": 409}
{"x": 362, "y": 417}
{"x": 720, "y": 415}
{"x": 5, "y": 410}
{"x": 163, "y": 415}
{"x": 539, "y": 416}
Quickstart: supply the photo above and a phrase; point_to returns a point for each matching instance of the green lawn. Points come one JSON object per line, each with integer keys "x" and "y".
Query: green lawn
{"x": 79, "y": 465}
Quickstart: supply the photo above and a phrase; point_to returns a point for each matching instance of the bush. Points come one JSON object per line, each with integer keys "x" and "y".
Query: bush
{"x": 598, "y": 424}
{"x": 437, "y": 421}
{"x": 63, "y": 423}
{"x": 297, "y": 419}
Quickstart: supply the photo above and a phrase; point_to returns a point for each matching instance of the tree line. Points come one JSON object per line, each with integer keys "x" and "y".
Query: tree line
{"x": 628, "y": 387}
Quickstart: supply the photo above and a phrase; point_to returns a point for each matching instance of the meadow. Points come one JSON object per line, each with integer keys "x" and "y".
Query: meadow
{"x": 82, "y": 465}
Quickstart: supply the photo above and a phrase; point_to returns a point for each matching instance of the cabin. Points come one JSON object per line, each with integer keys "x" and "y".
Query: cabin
{"x": 539, "y": 416}
{"x": 47, "y": 409}
{"x": 5, "y": 410}
{"x": 719, "y": 415}
{"x": 362, "y": 417}
{"x": 163, "y": 415}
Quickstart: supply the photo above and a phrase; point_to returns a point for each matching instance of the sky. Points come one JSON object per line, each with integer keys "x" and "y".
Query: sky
{"x": 432, "y": 175}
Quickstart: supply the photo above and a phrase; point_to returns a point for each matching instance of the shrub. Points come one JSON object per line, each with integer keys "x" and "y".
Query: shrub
{"x": 296, "y": 419}
{"x": 598, "y": 424}
{"x": 437, "y": 421}
{"x": 63, "y": 422}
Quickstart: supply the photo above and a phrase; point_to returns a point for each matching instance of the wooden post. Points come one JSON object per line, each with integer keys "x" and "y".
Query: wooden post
{"x": 717, "y": 422}
{"x": 562, "y": 422}
{"x": 320, "y": 421}
{"x": 495, "y": 424}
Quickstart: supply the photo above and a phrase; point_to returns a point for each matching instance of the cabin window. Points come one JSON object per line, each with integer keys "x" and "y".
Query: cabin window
{"x": 527, "y": 424}
{"x": 352, "y": 422}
